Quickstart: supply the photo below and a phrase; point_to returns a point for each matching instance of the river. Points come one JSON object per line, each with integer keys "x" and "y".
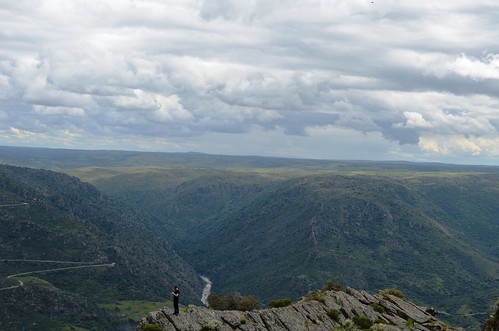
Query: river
{"x": 206, "y": 290}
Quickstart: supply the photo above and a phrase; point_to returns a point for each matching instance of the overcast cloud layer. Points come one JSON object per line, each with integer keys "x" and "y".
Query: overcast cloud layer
{"x": 330, "y": 79}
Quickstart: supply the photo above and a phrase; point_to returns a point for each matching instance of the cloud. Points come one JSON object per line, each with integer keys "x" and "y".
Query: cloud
{"x": 21, "y": 133}
{"x": 225, "y": 9}
{"x": 470, "y": 146}
{"x": 416, "y": 120}
{"x": 408, "y": 73}
{"x": 441, "y": 65}
{"x": 58, "y": 111}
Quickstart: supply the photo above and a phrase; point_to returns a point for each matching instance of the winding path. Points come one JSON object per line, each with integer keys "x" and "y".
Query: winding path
{"x": 13, "y": 286}
{"x": 80, "y": 265}
{"x": 19, "y": 204}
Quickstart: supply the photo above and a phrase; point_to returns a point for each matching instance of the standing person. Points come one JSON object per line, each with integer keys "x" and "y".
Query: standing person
{"x": 176, "y": 294}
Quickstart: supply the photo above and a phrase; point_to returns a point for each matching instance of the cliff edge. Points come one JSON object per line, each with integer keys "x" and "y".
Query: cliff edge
{"x": 324, "y": 310}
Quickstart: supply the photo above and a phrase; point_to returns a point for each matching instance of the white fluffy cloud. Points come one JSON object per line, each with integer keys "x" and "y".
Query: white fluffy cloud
{"x": 391, "y": 79}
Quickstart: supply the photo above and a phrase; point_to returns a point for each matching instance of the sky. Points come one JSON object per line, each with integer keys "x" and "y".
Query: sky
{"x": 321, "y": 79}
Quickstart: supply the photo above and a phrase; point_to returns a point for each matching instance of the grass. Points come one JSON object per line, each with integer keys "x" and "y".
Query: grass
{"x": 34, "y": 281}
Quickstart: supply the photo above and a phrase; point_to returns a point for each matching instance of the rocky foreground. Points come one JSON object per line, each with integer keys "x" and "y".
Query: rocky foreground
{"x": 325, "y": 310}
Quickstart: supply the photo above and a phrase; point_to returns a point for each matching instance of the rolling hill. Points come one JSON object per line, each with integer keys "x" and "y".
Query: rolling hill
{"x": 47, "y": 216}
{"x": 434, "y": 236}
{"x": 280, "y": 227}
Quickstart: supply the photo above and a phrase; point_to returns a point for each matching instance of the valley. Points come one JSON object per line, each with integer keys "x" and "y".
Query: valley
{"x": 269, "y": 227}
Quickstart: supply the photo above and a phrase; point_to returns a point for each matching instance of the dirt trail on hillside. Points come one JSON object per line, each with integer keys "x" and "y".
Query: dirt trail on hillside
{"x": 80, "y": 266}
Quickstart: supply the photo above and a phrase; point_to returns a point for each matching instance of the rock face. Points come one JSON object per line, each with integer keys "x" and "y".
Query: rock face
{"x": 324, "y": 310}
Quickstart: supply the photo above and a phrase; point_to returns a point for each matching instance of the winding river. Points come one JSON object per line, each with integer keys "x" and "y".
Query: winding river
{"x": 206, "y": 290}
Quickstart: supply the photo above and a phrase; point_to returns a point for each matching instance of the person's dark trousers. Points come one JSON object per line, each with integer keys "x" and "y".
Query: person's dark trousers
{"x": 175, "y": 307}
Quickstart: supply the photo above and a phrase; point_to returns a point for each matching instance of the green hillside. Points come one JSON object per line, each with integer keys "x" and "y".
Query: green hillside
{"x": 432, "y": 235}
{"x": 47, "y": 216}
{"x": 278, "y": 227}
{"x": 182, "y": 201}
{"x": 368, "y": 232}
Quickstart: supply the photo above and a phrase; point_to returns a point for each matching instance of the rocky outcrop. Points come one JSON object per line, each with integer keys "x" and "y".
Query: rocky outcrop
{"x": 324, "y": 310}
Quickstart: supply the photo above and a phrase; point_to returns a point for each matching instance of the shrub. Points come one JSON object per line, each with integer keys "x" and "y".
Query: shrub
{"x": 377, "y": 327}
{"x": 362, "y": 322}
{"x": 248, "y": 303}
{"x": 315, "y": 295}
{"x": 216, "y": 302}
{"x": 334, "y": 314}
{"x": 233, "y": 301}
{"x": 280, "y": 303}
{"x": 377, "y": 307}
{"x": 331, "y": 286}
{"x": 211, "y": 326}
{"x": 151, "y": 327}
{"x": 349, "y": 326}
{"x": 394, "y": 292}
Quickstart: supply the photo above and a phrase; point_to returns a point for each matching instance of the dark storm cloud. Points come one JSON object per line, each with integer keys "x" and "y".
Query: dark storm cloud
{"x": 402, "y": 135}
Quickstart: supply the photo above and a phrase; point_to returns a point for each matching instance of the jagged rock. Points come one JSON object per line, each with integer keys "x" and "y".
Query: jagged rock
{"x": 331, "y": 310}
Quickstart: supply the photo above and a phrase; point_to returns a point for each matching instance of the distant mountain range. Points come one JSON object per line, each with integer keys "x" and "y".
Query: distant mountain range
{"x": 48, "y": 158}
{"x": 275, "y": 227}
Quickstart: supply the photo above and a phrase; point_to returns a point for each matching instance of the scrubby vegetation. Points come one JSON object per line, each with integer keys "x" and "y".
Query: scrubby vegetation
{"x": 492, "y": 322}
{"x": 334, "y": 314}
{"x": 211, "y": 326}
{"x": 377, "y": 307}
{"x": 331, "y": 286}
{"x": 362, "y": 322}
{"x": 280, "y": 303}
{"x": 393, "y": 291}
{"x": 233, "y": 301}
{"x": 152, "y": 327}
{"x": 315, "y": 295}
